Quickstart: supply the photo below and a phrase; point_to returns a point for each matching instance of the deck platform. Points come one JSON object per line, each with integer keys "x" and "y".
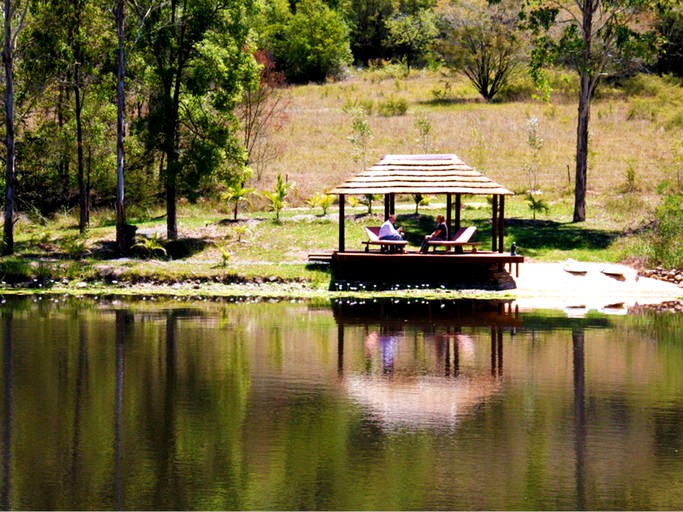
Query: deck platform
{"x": 480, "y": 270}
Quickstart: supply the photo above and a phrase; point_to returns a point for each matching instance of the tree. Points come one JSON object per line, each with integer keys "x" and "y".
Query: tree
{"x": 14, "y": 14}
{"x": 410, "y": 35}
{"x": 237, "y": 193}
{"x": 313, "y": 45}
{"x": 197, "y": 65}
{"x": 670, "y": 58}
{"x": 278, "y": 196}
{"x": 596, "y": 38}
{"x": 262, "y": 114}
{"x": 121, "y": 239}
{"x": 482, "y": 42}
{"x": 367, "y": 20}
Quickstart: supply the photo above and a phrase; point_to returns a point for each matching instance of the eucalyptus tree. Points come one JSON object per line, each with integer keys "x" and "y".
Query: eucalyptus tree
{"x": 196, "y": 62}
{"x": 14, "y": 15}
{"x": 120, "y": 16}
{"x": 67, "y": 47}
{"x": 597, "y": 38}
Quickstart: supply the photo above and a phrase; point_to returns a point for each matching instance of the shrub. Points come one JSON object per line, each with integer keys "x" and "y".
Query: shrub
{"x": 669, "y": 244}
{"x": 393, "y": 106}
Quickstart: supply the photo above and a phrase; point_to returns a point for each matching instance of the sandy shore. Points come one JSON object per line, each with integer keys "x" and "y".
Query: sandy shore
{"x": 583, "y": 287}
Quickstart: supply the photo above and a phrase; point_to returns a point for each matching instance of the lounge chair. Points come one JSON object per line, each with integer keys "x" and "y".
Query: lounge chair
{"x": 460, "y": 239}
{"x": 384, "y": 245}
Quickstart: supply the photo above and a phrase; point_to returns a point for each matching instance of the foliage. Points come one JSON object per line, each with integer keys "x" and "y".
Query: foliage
{"x": 225, "y": 255}
{"x": 596, "y": 39}
{"x": 669, "y": 242}
{"x": 482, "y": 42}
{"x": 410, "y": 35}
{"x": 323, "y": 200}
{"x": 360, "y": 136}
{"x": 313, "y": 44}
{"x": 535, "y": 144}
{"x": 420, "y": 200}
{"x": 670, "y": 58}
{"x": 393, "y": 106}
{"x": 424, "y": 127}
{"x": 151, "y": 245}
{"x": 277, "y": 196}
{"x": 368, "y": 29}
{"x": 537, "y": 205}
{"x": 196, "y": 67}
{"x": 237, "y": 193}
{"x": 262, "y": 114}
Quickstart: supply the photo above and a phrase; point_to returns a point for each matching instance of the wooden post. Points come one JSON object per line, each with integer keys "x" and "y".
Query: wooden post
{"x": 458, "y": 208}
{"x": 494, "y": 224}
{"x": 449, "y": 214}
{"x": 341, "y": 223}
{"x": 387, "y": 208}
{"x": 501, "y": 227}
{"x": 392, "y": 203}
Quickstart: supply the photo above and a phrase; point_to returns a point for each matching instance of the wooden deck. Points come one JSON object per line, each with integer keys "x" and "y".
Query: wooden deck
{"x": 480, "y": 270}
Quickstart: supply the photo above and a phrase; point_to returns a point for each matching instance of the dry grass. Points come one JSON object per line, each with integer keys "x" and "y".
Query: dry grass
{"x": 491, "y": 137}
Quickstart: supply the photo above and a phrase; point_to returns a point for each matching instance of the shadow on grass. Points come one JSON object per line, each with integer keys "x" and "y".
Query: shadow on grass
{"x": 539, "y": 235}
{"x": 530, "y": 235}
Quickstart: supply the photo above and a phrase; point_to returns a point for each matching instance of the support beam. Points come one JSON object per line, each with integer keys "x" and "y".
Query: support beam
{"x": 341, "y": 223}
{"x": 501, "y": 225}
{"x": 387, "y": 207}
{"x": 449, "y": 214}
{"x": 458, "y": 209}
{"x": 494, "y": 224}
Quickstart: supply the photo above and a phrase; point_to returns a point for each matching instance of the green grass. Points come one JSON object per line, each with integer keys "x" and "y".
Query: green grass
{"x": 633, "y": 151}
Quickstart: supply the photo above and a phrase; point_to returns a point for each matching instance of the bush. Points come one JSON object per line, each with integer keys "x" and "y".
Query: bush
{"x": 393, "y": 107}
{"x": 669, "y": 244}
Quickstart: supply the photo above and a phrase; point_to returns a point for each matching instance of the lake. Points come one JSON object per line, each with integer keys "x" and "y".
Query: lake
{"x": 352, "y": 404}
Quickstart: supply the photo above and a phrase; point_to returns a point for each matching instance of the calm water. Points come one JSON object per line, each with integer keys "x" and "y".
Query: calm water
{"x": 376, "y": 405}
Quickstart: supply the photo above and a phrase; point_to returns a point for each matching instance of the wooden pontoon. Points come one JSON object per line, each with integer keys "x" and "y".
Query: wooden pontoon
{"x": 433, "y": 174}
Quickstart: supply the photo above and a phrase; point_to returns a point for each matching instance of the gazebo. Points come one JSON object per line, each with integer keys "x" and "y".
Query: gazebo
{"x": 429, "y": 174}
{"x": 433, "y": 174}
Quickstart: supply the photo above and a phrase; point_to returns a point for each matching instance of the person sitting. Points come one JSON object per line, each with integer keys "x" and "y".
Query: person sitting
{"x": 440, "y": 233}
{"x": 388, "y": 231}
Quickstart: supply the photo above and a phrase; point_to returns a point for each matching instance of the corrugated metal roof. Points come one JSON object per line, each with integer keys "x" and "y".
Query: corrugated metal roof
{"x": 420, "y": 174}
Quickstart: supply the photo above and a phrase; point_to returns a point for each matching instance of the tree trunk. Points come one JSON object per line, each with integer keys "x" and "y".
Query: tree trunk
{"x": 582, "y": 151}
{"x": 83, "y": 199}
{"x": 8, "y": 62}
{"x": 587, "y": 86}
{"x": 121, "y": 242}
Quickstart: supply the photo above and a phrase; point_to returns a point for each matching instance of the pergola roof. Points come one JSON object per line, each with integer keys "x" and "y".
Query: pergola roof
{"x": 420, "y": 174}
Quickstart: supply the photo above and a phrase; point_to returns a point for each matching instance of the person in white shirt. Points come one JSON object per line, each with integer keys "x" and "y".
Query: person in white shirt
{"x": 388, "y": 231}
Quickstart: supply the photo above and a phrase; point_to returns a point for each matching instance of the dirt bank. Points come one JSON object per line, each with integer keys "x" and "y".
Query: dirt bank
{"x": 583, "y": 286}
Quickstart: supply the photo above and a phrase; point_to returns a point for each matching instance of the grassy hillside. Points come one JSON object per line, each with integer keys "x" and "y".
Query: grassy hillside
{"x": 636, "y": 152}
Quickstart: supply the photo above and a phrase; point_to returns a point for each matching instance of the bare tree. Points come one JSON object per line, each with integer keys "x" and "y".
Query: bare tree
{"x": 14, "y": 18}
{"x": 262, "y": 115}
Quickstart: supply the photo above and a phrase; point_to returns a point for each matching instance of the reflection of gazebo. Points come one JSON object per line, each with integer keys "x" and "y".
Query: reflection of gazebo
{"x": 424, "y": 400}
{"x": 437, "y": 174}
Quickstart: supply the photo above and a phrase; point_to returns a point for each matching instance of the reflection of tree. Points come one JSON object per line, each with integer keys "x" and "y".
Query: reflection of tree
{"x": 7, "y": 411}
{"x": 579, "y": 416}
{"x": 122, "y": 319}
{"x": 81, "y": 374}
{"x": 166, "y": 486}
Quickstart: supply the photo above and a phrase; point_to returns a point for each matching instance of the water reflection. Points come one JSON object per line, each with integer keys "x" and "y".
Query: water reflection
{"x": 402, "y": 390}
{"x": 361, "y": 405}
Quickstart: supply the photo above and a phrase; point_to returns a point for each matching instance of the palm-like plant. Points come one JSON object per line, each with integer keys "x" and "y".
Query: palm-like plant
{"x": 537, "y": 205}
{"x": 151, "y": 245}
{"x": 277, "y": 197}
{"x": 237, "y": 193}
